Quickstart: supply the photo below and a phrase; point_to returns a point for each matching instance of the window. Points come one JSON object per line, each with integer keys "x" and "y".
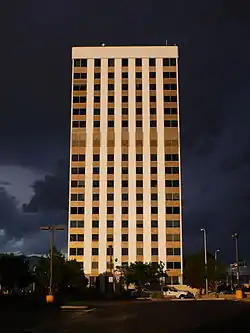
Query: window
{"x": 79, "y": 87}
{"x": 139, "y": 183}
{"x": 76, "y": 224}
{"x": 152, "y": 110}
{"x": 153, "y": 170}
{"x": 111, "y": 62}
{"x": 152, "y": 123}
{"x": 110, "y": 183}
{"x": 139, "y": 157}
{"x": 154, "y": 238}
{"x": 138, "y": 62}
{"x": 110, "y": 251}
{"x": 170, "y": 123}
{"x": 95, "y": 237}
{"x": 97, "y": 62}
{"x": 124, "y": 86}
{"x": 96, "y": 170}
{"x": 79, "y": 112}
{"x": 124, "y": 224}
{"x": 124, "y": 251}
{"x": 153, "y": 183}
{"x": 152, "y": 87}
{"x": 110, "y": 238}
{"x": 77, "y": 210}
{"x": 138, "y": 99}
{"x": 139, "y": 237}
{"x": 172, "y": 196}
{"x": 77, "y": 238}
{"x": 138, "y": 123}
{"x": 138, "y": 75}
{"x": 96, "y": 197}
{"x": 169, "y": 99}
{"x": 78, "y": 157}
{"x": 124, "y": 183}
{"x": 124, "y": 75}
{"x": 152, "y": 62}
{"x": 139, "y": 170}
{"x": 124, "y": 123}
{"x": 76, "y": 251}
{"x": 124, "y": 99}
{"x": 172, "y": 210}
{"x": 95, "y": 224}
{"x": 154, "y": 251}
{"x": 170, "y": 86}
{"x": 153, "y": 157}
{"x": 77, "y": 183}
{"x": 139, "y": 210}
{"x": 96, "y": 157}
{"x": 111, "y": 111}
{"x": 171, "y": 157}
{"x": 110, "y": 170}
{"x": 97, "y": 75}
{"x": 111, "y": 99}
{"x": 79, "y": 171}
{"x": 79, "y": 124}
{"x": 79, "y": 99}
{"x": 95, "y": 210}
{"x": 173, "y": 251}
{"x": 110, "y": 157}
{"x": 169, "y": 75}
{"x": 139, "y": 196}
{"x": 154, "y": 196}
{"x": 110, "y": 197}
{"x": 95, "y": 265}
{"x": 139, "y": 224}
{"x": 173, "y": 238}
{"x": 77, "y": 197}
{"x": 139, "y": 251}
{"x": 95, "y": 251}
{"x": 96, "y": 99}
{"x": 171, "y": 183}
{"x": 111, "y": 87}
{"x": 171, "y": 170}
{"x": 124, "y": 196}
{"x": 173, "y": 265}
{"x": 154, "y": 210}
{"x": 153, "y": 99}
{"x": 124, "y": 210}
{"x": 154, "y": 224}
{"x": 138, "y": 111}
{"x": 172, "y": 224}
{"x": 138, "y": 86}
{"x": 110, "y": 224}
{"x": 124, "y": 237}
{"x": 124, "y": 62}
{"x": 80, "y": 63}
{"x": 111, "y": 123}
{"x": 111, "y": 75}
{"x": 152, "y": 75}
{"x": 169, "y": 62}
{"x": 124, "y": 111}
{"x": 124, "y": 157}
{"x": 110, "y": 210}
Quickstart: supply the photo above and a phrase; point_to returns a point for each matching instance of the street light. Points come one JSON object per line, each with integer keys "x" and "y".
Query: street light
{"x": 52, "y": 229}
{"x": 205, "y": 257}
{"x": 216, "y": 254}
{"x": 236, "y": 237}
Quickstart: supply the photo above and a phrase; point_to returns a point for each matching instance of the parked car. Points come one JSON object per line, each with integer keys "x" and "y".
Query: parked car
{"x": 171, "y": 292}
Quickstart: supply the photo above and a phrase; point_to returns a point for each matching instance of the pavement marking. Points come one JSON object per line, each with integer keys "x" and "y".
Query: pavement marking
{"x": 79, "y": 307}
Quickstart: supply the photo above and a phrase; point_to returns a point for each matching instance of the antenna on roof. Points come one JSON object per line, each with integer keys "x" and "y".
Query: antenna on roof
{"x": 103, "y": 44}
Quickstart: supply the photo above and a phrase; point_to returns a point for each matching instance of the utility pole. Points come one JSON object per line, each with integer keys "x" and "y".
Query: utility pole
{"x": 236, "y": 237}
{"x": 52, "y": 229}
{"x": 205, "y": 257}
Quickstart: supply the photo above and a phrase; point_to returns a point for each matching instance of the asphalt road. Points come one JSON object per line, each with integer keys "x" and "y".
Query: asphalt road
{"x": 169, "y": 317}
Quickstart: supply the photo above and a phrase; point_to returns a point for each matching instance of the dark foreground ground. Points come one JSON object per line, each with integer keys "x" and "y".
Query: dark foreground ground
{"x": 166, "y": 316}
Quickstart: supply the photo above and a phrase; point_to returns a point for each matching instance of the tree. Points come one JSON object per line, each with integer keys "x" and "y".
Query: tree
{"x": 65, "y": 273}
{"x": 14, "y": 272}
{"x": 194, "y": 270}
{"x": 144, "y": 274}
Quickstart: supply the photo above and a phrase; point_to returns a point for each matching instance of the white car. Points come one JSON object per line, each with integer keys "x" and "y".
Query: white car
{"x": 171, "y": 292}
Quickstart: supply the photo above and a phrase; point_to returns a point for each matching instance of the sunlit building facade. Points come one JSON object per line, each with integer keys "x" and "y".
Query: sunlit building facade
{"x": 125, "y": 176}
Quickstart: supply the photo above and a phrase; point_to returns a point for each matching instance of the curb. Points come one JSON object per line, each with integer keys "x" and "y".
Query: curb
{"x": 75, "y": 307}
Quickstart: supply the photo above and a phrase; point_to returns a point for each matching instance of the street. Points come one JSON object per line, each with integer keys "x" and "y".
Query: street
{"x": 163, "y": 316}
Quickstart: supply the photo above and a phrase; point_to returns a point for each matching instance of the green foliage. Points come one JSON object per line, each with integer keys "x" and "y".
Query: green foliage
{"x": 142, "y": 274}
{"x": 14, "y": 272}
{"x": 65, "y": 273}
{"x": 194, "y": 270}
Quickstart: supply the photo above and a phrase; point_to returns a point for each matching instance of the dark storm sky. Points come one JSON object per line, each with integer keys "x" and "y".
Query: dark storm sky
{"x": 36, "y": 39}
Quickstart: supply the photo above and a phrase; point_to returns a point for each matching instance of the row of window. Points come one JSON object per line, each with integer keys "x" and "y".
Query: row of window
{"x": 139, "y": 158}
{"x": 124, "y": 197}
{"x": 125, "y": 183}
{"x": 124, "y": 170}
{"x": 125, "y": 123}
{"x": 125, "y": 112}
{"x": 125, "y": 62}
{"x": 125, "y": 86}
{"x": 124, "y": 210}
{"x": 138, "y": 75}
{"x": 125, "y": 224}
{"x": 125, "y": 99}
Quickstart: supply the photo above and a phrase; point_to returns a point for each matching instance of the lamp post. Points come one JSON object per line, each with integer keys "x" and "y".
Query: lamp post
{"x": 216, "y": 259}
{"x": 205, "y": 257}
{"x": 216, "y": 254}
{"x": 52, "y": 229}
{"x": 236, "y": 237}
